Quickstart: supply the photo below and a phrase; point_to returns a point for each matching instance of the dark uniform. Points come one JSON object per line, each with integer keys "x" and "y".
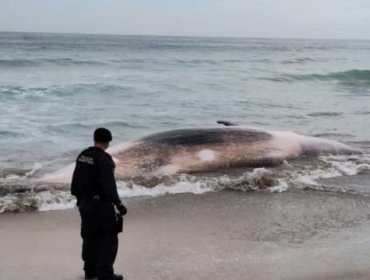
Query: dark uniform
{"x": 94, "y": 186}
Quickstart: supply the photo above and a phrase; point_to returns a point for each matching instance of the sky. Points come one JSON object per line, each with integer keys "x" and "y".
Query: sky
{"x": 341, "y": 19}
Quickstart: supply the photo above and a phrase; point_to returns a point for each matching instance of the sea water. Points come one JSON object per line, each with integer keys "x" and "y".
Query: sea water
{"x": 55, "y": 89}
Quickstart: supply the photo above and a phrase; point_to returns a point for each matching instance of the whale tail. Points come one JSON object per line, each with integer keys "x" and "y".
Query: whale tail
{"x": 316, "y": 146}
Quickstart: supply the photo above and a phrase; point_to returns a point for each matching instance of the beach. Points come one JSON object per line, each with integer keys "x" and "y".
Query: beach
{"x": 216, "y": 235}
{"x": 308, "y": 218}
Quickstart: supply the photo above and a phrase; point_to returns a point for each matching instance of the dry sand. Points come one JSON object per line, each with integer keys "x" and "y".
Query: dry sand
{"x": 219, "y": 235}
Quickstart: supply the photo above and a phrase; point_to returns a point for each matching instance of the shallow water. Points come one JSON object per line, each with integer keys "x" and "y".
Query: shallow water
{"x": 55, "y": 89}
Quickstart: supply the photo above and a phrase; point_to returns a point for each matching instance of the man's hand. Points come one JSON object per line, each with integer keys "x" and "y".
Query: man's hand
{"x": 122, "y": 209}
{"x": 78, "y": 201}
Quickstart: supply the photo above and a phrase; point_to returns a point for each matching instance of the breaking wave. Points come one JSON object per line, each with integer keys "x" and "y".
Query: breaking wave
{"x": 325, "y": 114}
{"x": 20, "y": 92}
{"x": 302, "y": 60}
{"x": 354, "y": 77}
{"x": 22, "y": 62}
{"x": 18, "y": 193}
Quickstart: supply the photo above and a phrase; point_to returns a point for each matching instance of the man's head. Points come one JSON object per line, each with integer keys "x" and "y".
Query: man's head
{"x": 102, "y": 137}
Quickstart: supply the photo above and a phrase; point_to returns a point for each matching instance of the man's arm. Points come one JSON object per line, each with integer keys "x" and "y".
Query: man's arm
{"x": 74, "y": 186}
{"x": 109, "y": 185}
{"x": 108, "y": 182}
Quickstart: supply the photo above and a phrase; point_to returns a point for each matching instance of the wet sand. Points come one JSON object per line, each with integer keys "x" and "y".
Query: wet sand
{"x": 219, "y": 235}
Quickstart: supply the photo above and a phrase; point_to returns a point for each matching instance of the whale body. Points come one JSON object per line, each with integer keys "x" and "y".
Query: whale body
{"x": 208, "y": 149}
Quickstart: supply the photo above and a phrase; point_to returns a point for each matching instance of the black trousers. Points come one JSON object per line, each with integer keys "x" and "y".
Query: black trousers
{"x": 99, "y": 237}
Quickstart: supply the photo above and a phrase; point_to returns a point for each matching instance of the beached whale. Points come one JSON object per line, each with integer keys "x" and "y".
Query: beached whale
{"x": 208, "y": 149}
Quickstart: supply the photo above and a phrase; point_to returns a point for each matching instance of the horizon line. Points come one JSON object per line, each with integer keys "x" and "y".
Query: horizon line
{"x": 185, "y": 36}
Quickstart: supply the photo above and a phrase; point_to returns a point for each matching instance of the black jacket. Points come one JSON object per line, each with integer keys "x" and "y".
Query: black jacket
{"x": 94, "y": 175}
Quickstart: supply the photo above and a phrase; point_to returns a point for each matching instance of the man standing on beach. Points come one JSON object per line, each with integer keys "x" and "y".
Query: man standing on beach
{"x": 94, "y": 186}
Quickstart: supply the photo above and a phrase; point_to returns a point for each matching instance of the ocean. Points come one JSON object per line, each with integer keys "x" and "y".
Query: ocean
{"x": 55, "y": 89}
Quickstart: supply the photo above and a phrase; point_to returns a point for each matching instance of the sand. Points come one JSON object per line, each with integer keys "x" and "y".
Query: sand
{"x": 217, "y": 235}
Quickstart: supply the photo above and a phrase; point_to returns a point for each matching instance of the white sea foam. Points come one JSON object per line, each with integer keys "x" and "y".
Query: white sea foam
{"x": 43, "y": 201}
{"x": 55, "y": 201}
{"x": 183, "y": 186}
{"x": 13, "y": 175}
{"x": 335, "y": 166}
{"x": 62, "y": 200}
{"x": 282, "y": 186}
{"x": 36, "y": 167}
{"x": 349, "y": 166}
{"x": 306, "y": 180}
{"x": 280, "y": 179}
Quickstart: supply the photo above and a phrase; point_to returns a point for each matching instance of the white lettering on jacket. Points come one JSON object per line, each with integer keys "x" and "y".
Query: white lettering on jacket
{"x": 85, "y": 159}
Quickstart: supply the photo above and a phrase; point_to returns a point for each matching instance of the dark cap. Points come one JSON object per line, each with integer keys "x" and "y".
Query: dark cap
{"x": 102, "y": 135}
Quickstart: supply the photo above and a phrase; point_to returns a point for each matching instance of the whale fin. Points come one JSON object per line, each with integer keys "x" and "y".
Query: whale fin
{"x": 227, "y": 123}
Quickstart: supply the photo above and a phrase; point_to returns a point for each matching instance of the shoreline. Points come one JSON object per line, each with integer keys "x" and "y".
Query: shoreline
{"x": 297, "y": 235}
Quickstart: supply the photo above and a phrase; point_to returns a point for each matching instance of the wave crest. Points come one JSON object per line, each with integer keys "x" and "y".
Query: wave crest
{"x": 22, "y": 62}
{"x": 354, "y": 77}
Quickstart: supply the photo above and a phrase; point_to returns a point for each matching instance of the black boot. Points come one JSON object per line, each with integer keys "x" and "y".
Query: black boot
{"x": 113, "y": 277}
{"x": 90, "y": 276}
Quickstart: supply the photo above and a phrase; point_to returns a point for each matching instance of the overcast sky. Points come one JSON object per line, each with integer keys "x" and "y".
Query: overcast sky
{"x": 241, "y": 18}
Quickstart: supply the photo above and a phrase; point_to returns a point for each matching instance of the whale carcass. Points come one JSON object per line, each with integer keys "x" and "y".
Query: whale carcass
{"x": 208, "y": 149}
